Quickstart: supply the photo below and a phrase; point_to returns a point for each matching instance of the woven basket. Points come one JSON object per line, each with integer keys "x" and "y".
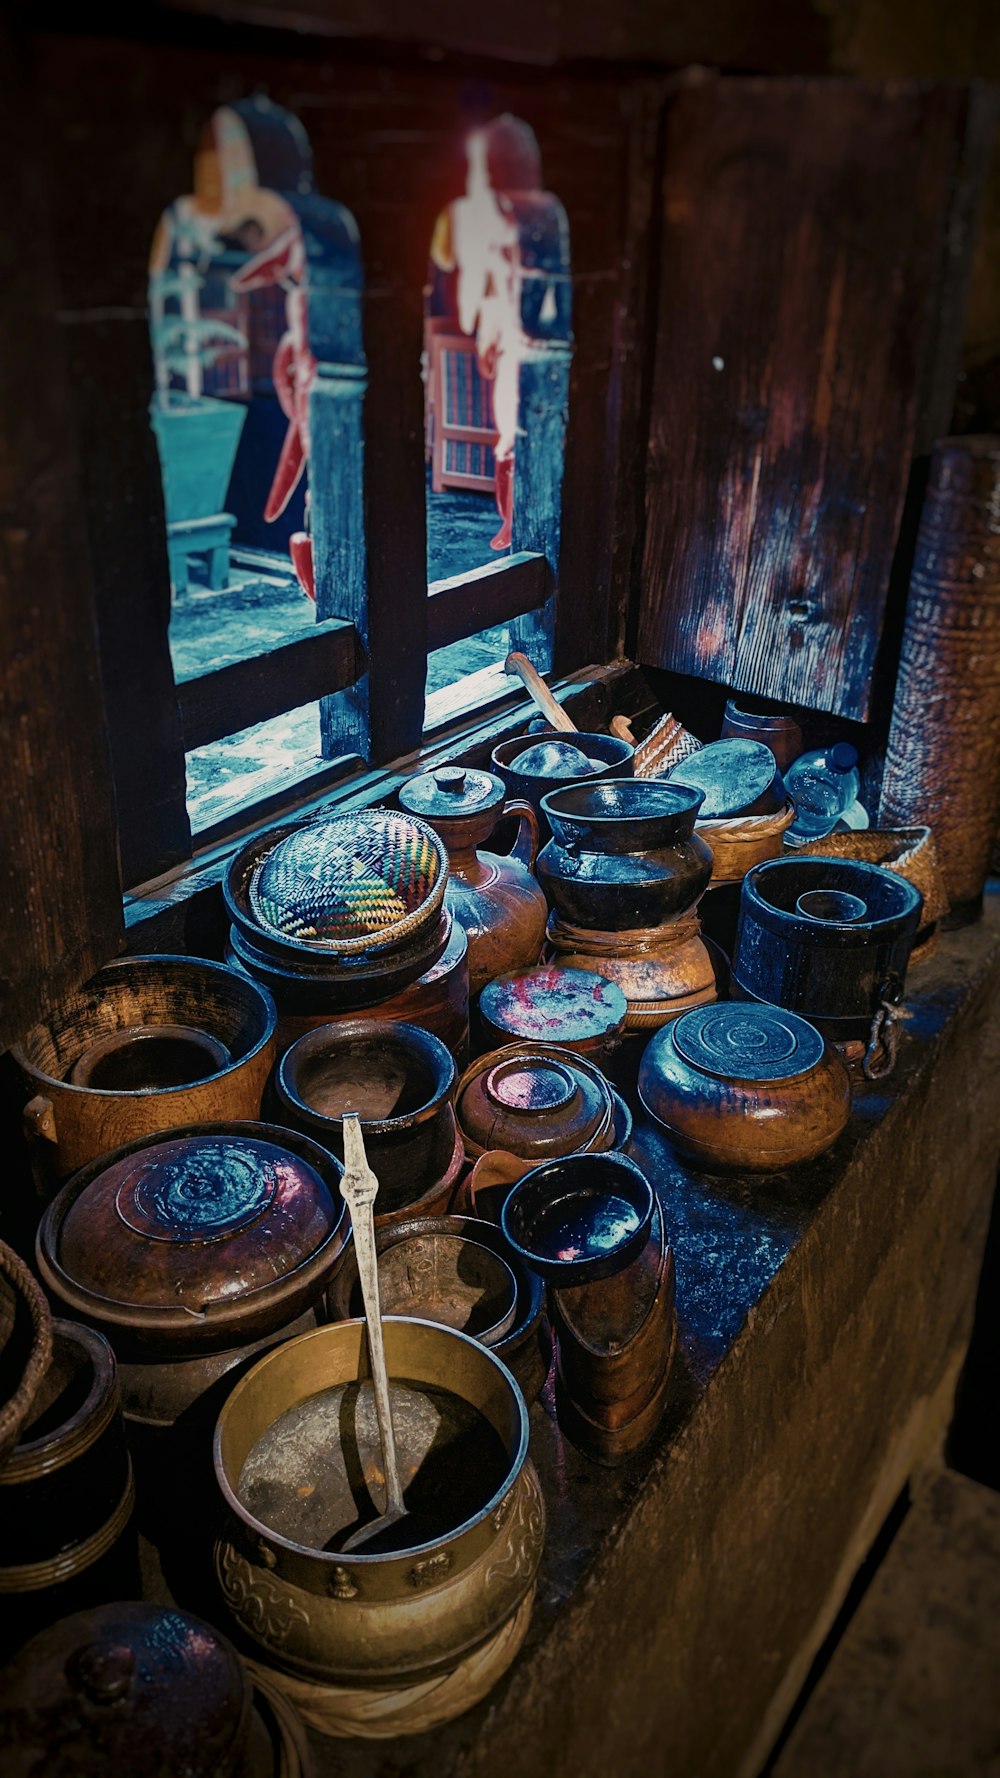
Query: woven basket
{"x": 667, "y": 743}
{"x": 25, "y": 1345}
{"x": 910, "y": 852}
{"x": 740, "y": 841}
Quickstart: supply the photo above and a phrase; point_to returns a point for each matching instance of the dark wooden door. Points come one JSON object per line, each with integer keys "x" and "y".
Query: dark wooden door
{"x": 815, "y": 240}
{"x": 60, "y": 900}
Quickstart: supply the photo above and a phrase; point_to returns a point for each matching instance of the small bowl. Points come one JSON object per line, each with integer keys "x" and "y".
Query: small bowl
{"x": 451, "y": 1280}
{"x": 581, "y": 1218}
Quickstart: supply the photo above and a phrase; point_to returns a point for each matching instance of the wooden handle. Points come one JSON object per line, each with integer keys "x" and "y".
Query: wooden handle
{"x": 620, "y": 726}
{"x": 521, "y": 668}
{"x": 358, "y": 1188}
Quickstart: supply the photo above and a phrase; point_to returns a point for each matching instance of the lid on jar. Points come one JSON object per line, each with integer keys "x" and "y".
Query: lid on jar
{"x": 533, "y": 1100}
{"x": 736, "y": 777}
{"x": 742, "y": 1040}
{"x": 131, "y": 1688}
{"x": 551, "y": 1004}
{"x": 451, "y": 792}
{"x": 354, "y": 883}
{"x": 196, "y": 1220}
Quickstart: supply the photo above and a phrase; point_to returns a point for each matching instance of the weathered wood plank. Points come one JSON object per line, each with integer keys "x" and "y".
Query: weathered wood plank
{"x": 805, "y": 227}
{"x": 311, "y": 663}
{"x": 493, "y": 594}
{"x": 60, "y": 897}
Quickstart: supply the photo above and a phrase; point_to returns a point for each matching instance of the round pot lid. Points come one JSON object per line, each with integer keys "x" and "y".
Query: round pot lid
{"x": 452, "y": 791}
{"x": 354, "y": 883}
{"x": 196, "y": 1220}
{"x": 126, "y": 1688}
{"x": 533, "y": 1101}
{"x": 738, "y": 777}
{"x": 740, "y": 1040}
{"x": 554, "y": 1005}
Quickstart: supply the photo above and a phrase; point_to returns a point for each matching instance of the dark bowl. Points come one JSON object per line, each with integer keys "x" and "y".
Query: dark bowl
{"x": 397, "y": 1077}
{"x": 617, "y": 756}
{"x": 580, "y": 1218}
{"x": 335, "y": 985}
{"x": 643, "y": 815}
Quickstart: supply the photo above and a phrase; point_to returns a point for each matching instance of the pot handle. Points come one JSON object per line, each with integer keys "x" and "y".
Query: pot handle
{"x": 525, "y": 847}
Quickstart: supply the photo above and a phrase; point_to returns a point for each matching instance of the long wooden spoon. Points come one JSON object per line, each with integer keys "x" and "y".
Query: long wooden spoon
{"x": 519, "y": 666}
{"x": 359, "y": 1188}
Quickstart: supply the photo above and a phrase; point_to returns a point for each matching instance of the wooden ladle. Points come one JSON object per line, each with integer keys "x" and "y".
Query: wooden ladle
{"x": 359, "y": 1188}
{"x": 519, "y": 667}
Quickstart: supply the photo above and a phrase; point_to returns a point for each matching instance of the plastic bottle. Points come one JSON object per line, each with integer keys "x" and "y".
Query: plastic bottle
{"x": 822, "y": 785}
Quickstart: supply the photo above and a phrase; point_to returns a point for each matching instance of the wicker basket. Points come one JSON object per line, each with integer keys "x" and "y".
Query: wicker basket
{"x": 740, "y": 841}
{"x": 25, "y": 1345}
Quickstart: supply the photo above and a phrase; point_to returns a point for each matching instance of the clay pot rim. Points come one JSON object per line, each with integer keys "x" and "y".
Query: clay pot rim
{"x": 579, "y": 1271}
{"x": 397, "y": 1033}
{"x": 131, "y": 1094}
{"x": 227, "y": 1314}
{"x": 874, "y": 927}
{"x": 80, "y": 1429}
{"x": 490, "y": 1336}
{"x": 621, "y": 752}
{"x": 669, "y": 814}
{"x": 396, "y": 1560}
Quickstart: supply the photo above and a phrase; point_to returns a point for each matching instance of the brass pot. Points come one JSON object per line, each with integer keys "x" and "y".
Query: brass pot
{"x": 379, "y": 1621}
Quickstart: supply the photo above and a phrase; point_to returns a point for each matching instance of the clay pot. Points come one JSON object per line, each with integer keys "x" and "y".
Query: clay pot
{"x": 623, "y": 855}
{"x": 536, "y": 1101}
{"x": 367, "y": 1628}
{"x": 496, "y": 898}
{"x": 616, "y": 754}
{"x": 401, "y": 1082}
{"x": 204, "y": 1241}
{"x": 749, "y": 720}
{"x": 145, "y": 1692}
{"x": 438, "y": 1000}
{"x": 66, "y": 1491}
{"x": 574, "y": 1008}
{"x": 125, "y": 1005}
{"x": 581, "y": 1218}
{"x": 835, "y": 972}
{"x": 745, "y": 1086}
{"x": 661, "y": 970}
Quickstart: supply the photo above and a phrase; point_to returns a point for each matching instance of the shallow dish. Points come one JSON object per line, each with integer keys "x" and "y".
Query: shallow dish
{"x": 581, "y": 1218}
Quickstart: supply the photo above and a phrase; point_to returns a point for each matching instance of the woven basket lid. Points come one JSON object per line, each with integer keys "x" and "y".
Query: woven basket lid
{"x": 358, "y": 882}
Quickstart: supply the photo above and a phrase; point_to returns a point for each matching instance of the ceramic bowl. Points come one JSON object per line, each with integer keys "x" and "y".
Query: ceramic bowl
{"x": 581, "y": 1218}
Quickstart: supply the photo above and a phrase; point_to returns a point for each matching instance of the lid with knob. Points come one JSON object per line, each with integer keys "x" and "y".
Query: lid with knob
{"x": 452, "y": 792}
{"x": 128, "y": 1688}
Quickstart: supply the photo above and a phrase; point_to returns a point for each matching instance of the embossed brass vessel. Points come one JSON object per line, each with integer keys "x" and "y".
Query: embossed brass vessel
{"x": 365, "y": 1626}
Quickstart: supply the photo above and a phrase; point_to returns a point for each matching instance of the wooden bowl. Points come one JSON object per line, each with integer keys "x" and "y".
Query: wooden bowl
{"x": 71, "y": 1123}
{"x": 579, "y": 1219}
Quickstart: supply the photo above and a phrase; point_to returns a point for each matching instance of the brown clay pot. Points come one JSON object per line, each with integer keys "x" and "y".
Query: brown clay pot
{"x": 71, "y": 1123}
{"x": 536, "y": 1101}
{"x": 495, "y": 898}
{"x": 748, "y": 720}
{"x": 745, "y": 1086}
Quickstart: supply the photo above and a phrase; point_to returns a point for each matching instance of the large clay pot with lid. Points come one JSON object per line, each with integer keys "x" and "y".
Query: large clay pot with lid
{"x": 495, "y": 897}
{"x": 623, "y": 855}
{"x": 208, "y": 1239}
{"x": 142, "y": 1691}
{"x": 744, "y": 1086}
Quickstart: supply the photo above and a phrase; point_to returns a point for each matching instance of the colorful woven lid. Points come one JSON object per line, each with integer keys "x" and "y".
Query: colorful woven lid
{"x": 358, "y": 882}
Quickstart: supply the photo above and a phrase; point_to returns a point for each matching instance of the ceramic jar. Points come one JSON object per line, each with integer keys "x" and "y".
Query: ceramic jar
{"x": 747, "y": 720}
{"x": 223, "y": 1035}
{"x": 198, "y": 1243}
{"x": 535, "y": 1101}
{"x": 826, "y": 938}
{"x": 142, "y": 1691}
{"x": 495, "y": 898}
{"x": 361, "y": 1632}
{"x": 744, "y": 1086}
{"x": 401, "y": 1082}
{"x": 623, "y": 856}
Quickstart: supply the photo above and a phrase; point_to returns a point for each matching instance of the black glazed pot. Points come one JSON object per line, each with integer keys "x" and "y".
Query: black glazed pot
{"x": 580, "y": 1218}
{"x": 616, "y": 755}
{"x": 623, "y": 856}
{"x": 401, "y": 1081}
{"x": 835, "y": 970}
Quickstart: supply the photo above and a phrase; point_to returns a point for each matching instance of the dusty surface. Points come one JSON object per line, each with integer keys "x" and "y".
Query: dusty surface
{"x": 913, "y": 1689}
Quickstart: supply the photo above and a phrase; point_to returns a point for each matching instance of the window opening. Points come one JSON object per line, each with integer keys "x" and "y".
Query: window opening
{"x": 255, "y": 319}
{"x": 497, "y": 350}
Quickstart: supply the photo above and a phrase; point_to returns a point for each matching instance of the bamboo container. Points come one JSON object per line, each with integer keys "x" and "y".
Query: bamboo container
{"x": 943, "y": 761}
